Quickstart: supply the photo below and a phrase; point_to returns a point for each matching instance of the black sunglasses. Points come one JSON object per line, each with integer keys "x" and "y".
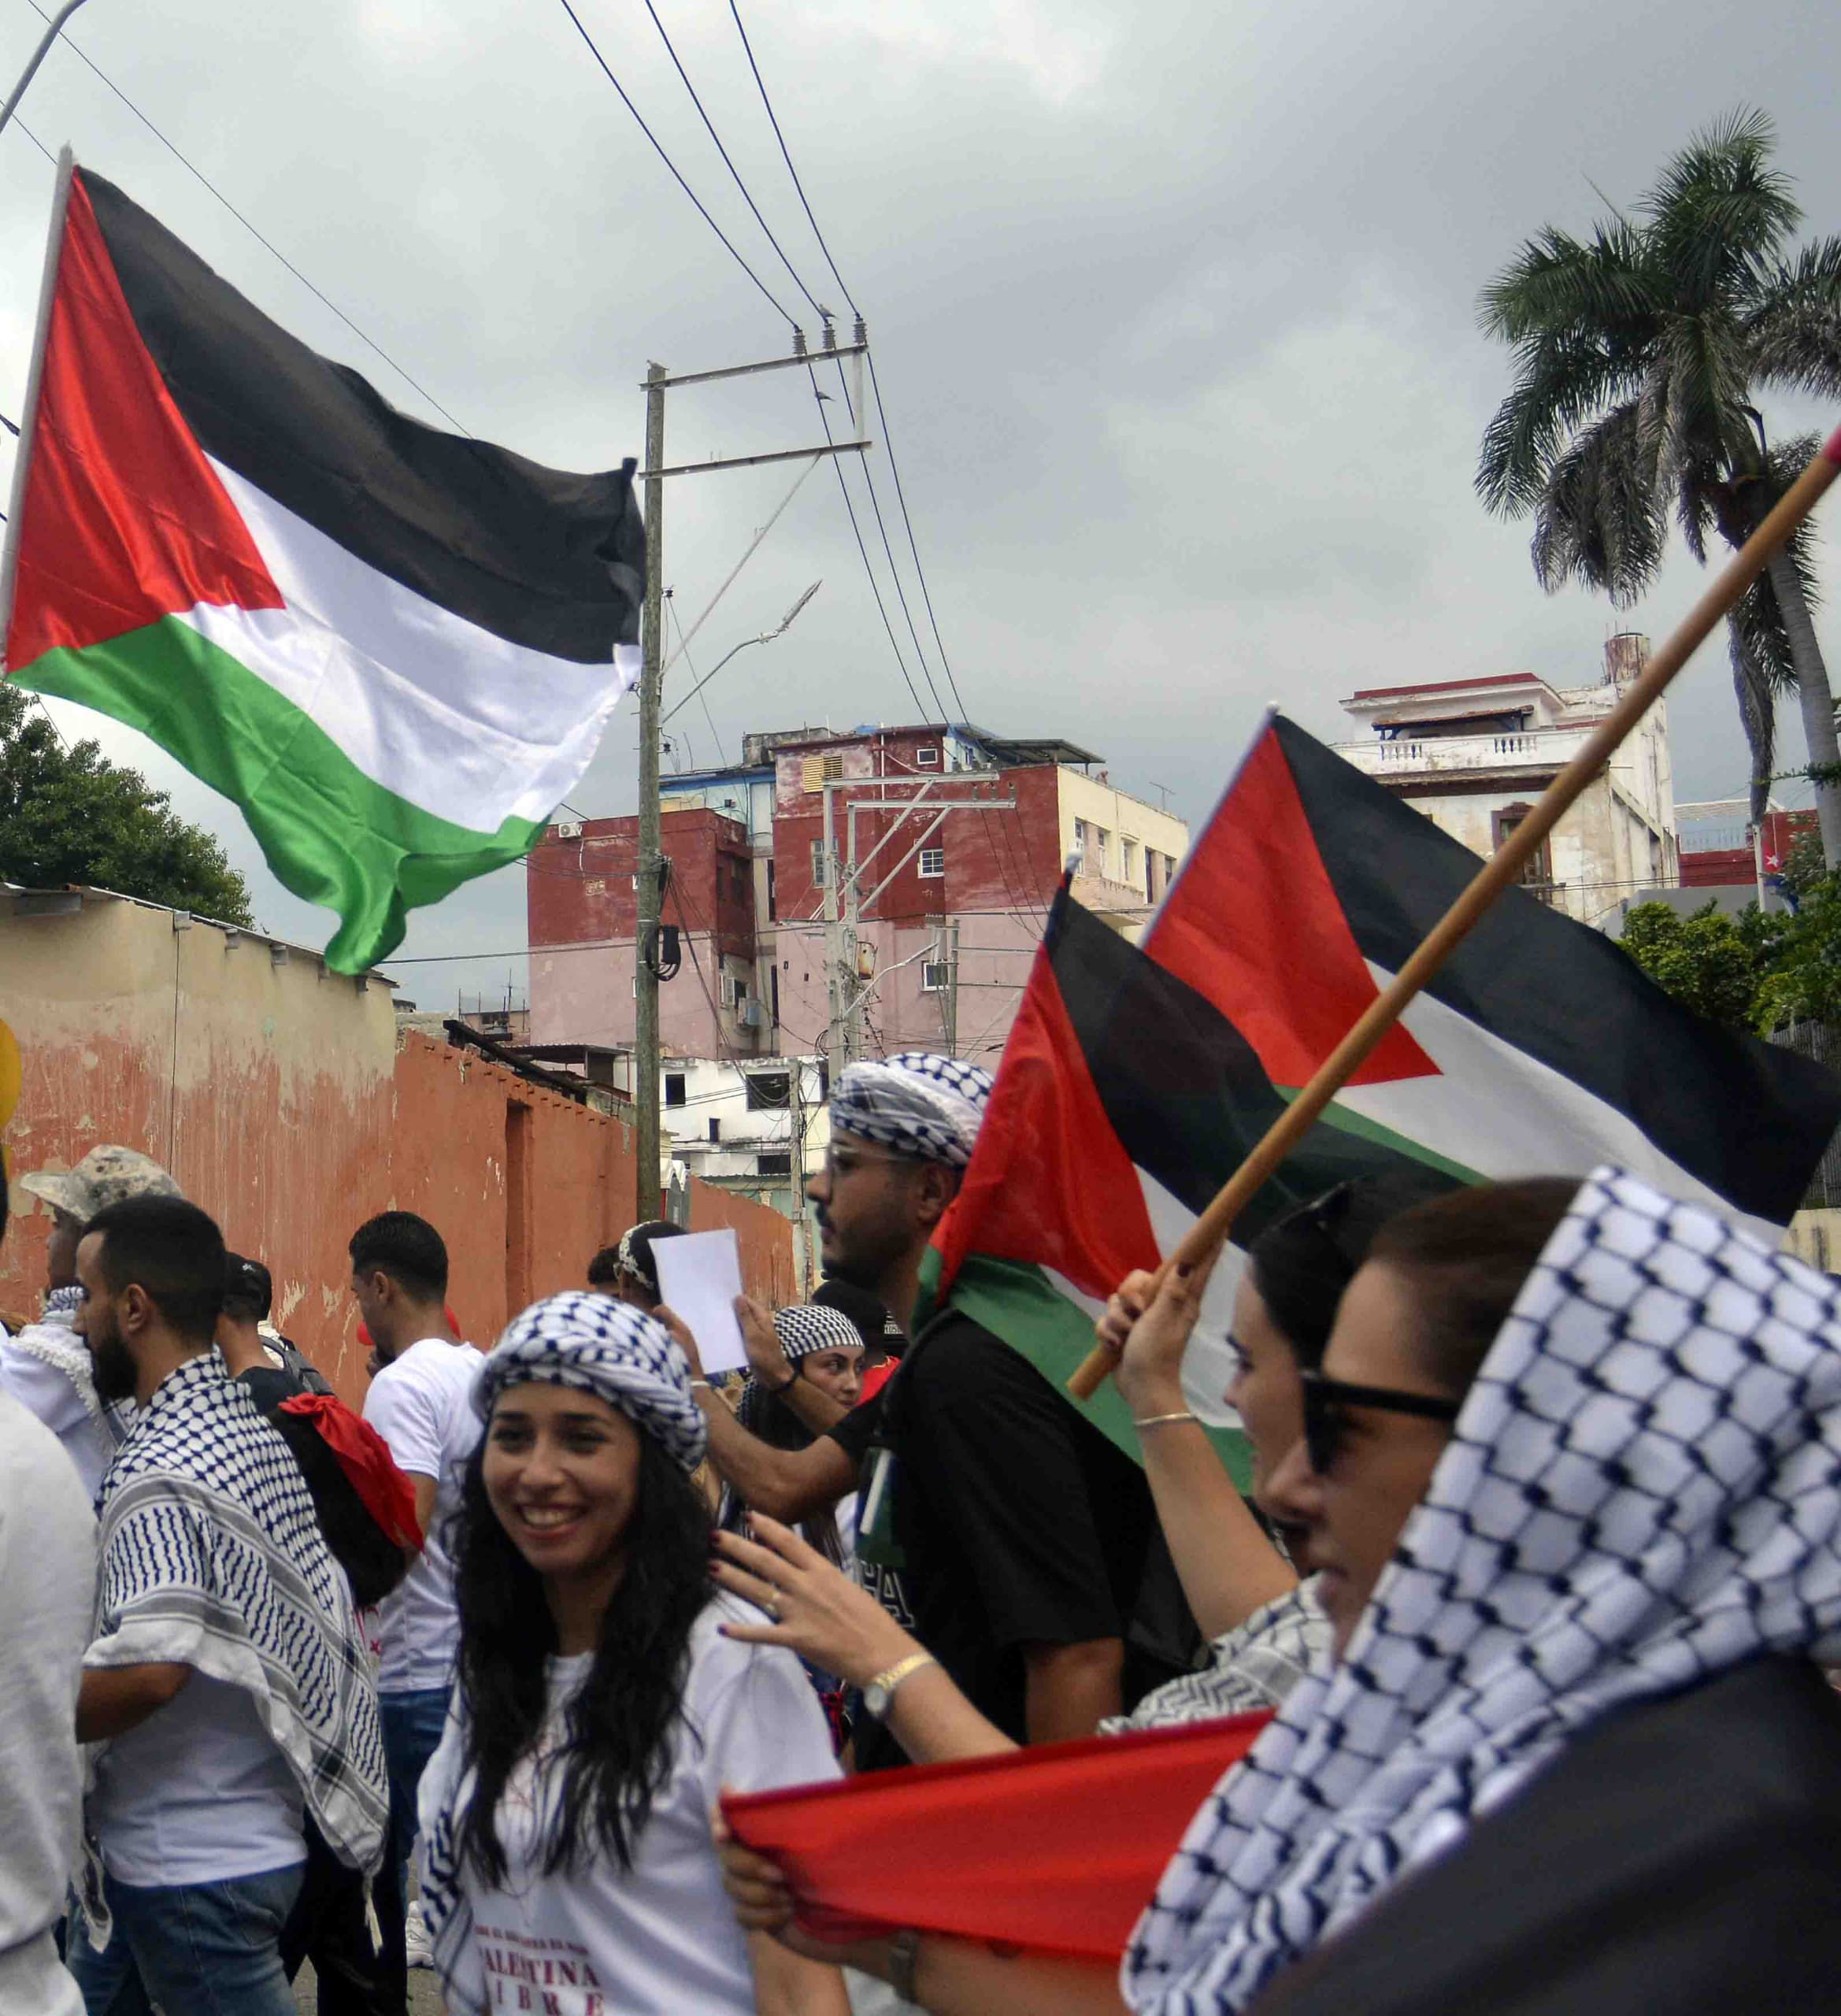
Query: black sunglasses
{"x": 1327, "y": 1401}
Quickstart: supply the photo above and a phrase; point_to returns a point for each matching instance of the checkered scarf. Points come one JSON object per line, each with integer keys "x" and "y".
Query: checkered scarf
{"x": 1643, "y": 1489}
{"x": 925, "y": 1107}
{"x": 211, "y": 1557}
{"x": 605, "y": 1347}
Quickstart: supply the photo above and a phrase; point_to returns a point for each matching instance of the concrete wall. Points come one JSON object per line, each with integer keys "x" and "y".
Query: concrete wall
{"x": 278, "y": 1095}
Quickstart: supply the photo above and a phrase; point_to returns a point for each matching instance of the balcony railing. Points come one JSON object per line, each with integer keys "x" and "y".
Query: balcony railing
{"x": 1535, "y": 749}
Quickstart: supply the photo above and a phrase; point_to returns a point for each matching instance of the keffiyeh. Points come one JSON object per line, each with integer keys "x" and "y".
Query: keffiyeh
{"x": 607, "y": 1348}
{"x": 212, "y": 1557}
{"x": 924, "y": 1107}
{"x": 1643, "y": 1489}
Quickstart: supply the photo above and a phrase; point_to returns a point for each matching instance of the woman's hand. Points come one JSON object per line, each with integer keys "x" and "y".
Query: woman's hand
{"x": 1148, "y": 1324}
{"x": 762, "y": 1900}
{"x": 766, "y": 1360}
{"x": 815, "y": 1610}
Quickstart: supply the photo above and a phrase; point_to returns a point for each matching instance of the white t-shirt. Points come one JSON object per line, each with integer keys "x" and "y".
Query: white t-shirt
{"x": 662, "y": 1936}
{"x": 422, "y": 1405}
{"x": 47, "y": 1591}
{"x": 198, "y": 1793}
{"x": 28, "y": 1374}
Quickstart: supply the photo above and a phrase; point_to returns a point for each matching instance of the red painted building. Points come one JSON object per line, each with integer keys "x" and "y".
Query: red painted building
{"x": 747, "y": 852}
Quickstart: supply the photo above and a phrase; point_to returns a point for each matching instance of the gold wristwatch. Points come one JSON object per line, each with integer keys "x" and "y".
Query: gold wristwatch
{"x": 879, "y": 1693}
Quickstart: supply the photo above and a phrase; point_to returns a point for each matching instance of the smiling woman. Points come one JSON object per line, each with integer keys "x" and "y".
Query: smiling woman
{"x": 599, "y": 1711}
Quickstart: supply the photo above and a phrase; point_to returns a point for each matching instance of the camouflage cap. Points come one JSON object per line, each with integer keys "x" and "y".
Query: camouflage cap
{"x": 106, "y": 1175}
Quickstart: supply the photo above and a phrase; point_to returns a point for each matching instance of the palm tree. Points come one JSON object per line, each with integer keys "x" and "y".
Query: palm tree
{"x": 1639, "y": 353}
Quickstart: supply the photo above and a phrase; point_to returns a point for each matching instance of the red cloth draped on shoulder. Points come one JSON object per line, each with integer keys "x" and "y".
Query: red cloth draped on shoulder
{"x": 1056, "y": 1849}
{"x": 364, "y": 1457}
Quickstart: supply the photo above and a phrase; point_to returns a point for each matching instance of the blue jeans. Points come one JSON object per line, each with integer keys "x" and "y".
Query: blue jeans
{"x": 207, "y": 1949}
{"x": 412, "y": 1725}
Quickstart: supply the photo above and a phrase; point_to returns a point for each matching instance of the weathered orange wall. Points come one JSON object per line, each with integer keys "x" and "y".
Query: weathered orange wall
{"x": 284, "y": 1100}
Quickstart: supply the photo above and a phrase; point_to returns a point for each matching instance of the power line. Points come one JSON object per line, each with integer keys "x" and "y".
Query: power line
{"x": 788, "y": 158}
{"x": 765, "y": 292}
{"x": 33, "y": 137}
{"x": 862, "y": 550}
{"x": 709, "y": 127}
{"x": 191, "y": 168}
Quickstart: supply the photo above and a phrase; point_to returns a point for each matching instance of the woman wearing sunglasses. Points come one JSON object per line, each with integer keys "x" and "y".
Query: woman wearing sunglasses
{"x": 1578, "y": 1462}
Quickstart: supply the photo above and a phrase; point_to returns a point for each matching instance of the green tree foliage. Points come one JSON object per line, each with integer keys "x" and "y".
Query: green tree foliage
{"x": 1754, "y": 971}
{"x": 69, "y": 815}
{"x": 1641, "y": 353}
{"x": 1708, "y": 961}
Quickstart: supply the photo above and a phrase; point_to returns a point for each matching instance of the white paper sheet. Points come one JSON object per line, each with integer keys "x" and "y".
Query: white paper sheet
{"x": 699, "y": 1276}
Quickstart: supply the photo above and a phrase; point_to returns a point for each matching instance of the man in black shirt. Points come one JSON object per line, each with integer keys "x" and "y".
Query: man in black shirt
{"x": 995, "y": 1523}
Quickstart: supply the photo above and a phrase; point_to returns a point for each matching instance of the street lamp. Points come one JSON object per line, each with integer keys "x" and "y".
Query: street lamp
{"x": 32, "y": 69}
{"x": 766, "y": 637}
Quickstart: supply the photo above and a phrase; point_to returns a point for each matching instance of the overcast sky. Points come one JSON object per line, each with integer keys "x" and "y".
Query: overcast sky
{"x": 1173, "y": 306}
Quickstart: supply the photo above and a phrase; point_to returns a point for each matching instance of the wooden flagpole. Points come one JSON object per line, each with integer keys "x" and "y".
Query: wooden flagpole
{"x": 1501, "y": 871}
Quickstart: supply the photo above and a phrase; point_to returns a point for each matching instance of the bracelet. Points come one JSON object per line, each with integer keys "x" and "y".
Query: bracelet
{"x": 1159, "y": 1420}
{"x": 904, "y": 1954}
{"x": 704, "y": 1383}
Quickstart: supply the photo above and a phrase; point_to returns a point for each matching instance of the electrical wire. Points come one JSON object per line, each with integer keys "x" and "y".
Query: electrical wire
{"x": 765, "y": 292}
{"x": 193, "y": 169}
{"x": 33, "y": 137}
{"x": 817, "y": 306}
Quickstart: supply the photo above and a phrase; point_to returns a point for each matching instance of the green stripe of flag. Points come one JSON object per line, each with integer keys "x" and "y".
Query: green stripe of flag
{"x": 331, "y": 834}
{"x": 1019, "y": 1305}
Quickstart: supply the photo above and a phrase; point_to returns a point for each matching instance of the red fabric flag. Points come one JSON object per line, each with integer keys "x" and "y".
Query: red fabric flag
{"x": 1056, "y": 1849}
{"x": 364, "y": 1457}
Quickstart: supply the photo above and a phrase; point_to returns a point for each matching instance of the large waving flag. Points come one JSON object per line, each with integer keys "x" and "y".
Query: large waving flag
{"x": 1135, "y": 1080}
{"x": 395, "y": 649}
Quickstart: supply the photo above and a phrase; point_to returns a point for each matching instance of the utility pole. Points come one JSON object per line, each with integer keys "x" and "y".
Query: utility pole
{"x": 951, "y": 949}
{"x": 845, "y": 901}
{"x": 650, "y": 866}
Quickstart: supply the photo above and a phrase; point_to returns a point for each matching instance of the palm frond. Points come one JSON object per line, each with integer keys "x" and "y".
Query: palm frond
{"x": 1720, "y": 211}
{"x": 1793, "y": 335}
{"x": 1600, "y": 520}
{"x": 1558, "y": 284}
{"x": 1559, "y": 387}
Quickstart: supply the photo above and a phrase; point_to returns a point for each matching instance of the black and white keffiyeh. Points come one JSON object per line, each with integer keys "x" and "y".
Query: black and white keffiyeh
{"x": 1643, "y": 1490}
{"x": 212, "y": 1557}
{"x": 605, "y": 1347}
{"x": 925, "y": 1107}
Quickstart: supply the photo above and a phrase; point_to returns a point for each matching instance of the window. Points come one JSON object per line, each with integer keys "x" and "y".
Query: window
{"x": 816, "y": 772}
{"x": 674, "y": 1088}
{"x": 821, "y": 871}
{"x": 716, "y": 1130}
{"x": 934, "y": 975}
{"x": 772, "y": 897}
{"x": 926, "y": 757}
{"x": 768, "y": 1091}
{"x": 933, "y": 860}
{"x": 734, "y": 992}
{"x": 1127, "y": 860}
{"x": 774, "y": 1165}
{"x": 1537, "y": 876}
{"x": 1102, "y": 842}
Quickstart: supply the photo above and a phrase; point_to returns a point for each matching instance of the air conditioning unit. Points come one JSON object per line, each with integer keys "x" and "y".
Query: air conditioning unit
{"x": 753, "y": 1014}
{"x": 568, "y": 829}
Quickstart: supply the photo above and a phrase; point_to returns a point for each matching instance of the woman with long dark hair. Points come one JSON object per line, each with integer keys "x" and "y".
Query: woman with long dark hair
{"x": 599, "y": 1710}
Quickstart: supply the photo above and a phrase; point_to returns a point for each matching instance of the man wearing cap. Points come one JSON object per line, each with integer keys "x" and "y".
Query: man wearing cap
{"x": 997, "y": 1524}
{"x": 45, "y": 1367}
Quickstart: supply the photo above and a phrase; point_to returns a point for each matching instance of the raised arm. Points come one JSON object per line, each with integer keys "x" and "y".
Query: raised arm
{"x": 770, "y": 1365}
{"x": 1228, "y": 1566}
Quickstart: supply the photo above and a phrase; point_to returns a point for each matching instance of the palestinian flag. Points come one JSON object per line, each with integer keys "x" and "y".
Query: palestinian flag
{"x": 1124, "y": 1101}
{"x": 1135, "y": 1080}
{"x": 395, "y": 649}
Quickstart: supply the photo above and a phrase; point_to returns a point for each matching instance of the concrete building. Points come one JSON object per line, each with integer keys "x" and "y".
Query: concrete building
{"x": 1474, "y": 754}
{"x": 953, "y": 900}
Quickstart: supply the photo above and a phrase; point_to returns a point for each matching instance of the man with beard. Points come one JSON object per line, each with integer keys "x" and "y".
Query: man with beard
{"x": 1015, "y": 1542}
{"x": 45, "y": 1368}
{"x": 226, "y": 1682}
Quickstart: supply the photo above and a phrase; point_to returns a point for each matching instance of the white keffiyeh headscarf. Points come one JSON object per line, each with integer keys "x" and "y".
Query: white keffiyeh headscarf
{"x": 1643, "y": 1489}
{"x": 925, "y": 1107}
{"x": 607, "y": 1348}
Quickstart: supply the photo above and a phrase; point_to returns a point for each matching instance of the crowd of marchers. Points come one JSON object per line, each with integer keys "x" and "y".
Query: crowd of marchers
{"x": 1536, "y": 1577}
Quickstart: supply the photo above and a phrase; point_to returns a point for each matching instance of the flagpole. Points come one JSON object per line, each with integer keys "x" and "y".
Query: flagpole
{"x": 1500, "y": 872}
{"x": 29, "y": 413}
